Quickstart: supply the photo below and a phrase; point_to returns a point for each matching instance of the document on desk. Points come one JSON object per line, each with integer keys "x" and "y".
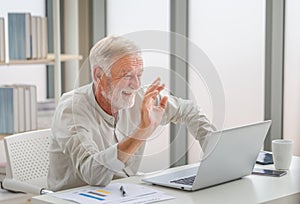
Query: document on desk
{"x": 114, "y": 193}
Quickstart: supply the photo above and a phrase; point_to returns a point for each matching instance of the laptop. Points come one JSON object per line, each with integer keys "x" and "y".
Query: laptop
{"x": 228, "y": 155}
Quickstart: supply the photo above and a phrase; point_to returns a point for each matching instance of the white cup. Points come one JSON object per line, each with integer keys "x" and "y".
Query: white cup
{"x": 282, "y": 153}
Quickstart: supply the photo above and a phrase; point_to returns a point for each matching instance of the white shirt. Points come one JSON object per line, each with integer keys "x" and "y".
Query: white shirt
{"x": 83, "y": 144}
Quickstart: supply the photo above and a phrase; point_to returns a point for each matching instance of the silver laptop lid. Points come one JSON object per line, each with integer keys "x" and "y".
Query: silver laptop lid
{"x": 230, "y": 154}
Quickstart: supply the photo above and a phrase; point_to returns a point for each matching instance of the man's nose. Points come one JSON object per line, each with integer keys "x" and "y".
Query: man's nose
{"x": 135, "y": 82}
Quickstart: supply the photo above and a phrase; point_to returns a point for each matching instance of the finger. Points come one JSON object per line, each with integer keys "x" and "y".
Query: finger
{"x": 154, "y": 85}
{"x": 163, "y": 102}
{"x": 160, "y": 88}
{"x": 156, "y": 80}
{"x": 150, "y": 95}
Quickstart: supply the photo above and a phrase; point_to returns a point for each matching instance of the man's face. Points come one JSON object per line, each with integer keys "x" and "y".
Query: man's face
{"x": 124, "y": 82}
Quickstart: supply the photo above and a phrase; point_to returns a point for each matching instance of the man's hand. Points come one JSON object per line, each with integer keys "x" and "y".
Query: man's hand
{"x": 151, "y": 114}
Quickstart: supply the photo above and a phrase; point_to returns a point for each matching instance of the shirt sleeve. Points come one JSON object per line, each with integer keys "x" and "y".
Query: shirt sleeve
{"x": 185, "y": 111}
{"x": 93, "y": 165}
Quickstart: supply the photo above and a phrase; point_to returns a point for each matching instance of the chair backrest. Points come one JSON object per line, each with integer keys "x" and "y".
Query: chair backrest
{"x": 27, "y": 157}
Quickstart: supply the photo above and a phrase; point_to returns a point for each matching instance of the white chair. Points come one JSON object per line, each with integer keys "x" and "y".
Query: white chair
{"x": 27, "y": 162}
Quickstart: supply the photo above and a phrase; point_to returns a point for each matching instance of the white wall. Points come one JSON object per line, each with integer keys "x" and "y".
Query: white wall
{"x": 127, "y": 17}
{"x": 291, "y": 115}
{"x": 26, "y": 74}
{"x": 232, "y": 34}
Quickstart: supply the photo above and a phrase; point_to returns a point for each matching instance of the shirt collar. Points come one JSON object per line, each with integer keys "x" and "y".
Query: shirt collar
{"x": 108, "y": 118}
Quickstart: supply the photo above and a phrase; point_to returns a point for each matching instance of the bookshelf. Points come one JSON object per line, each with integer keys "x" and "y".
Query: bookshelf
{"x": 49, "y": 60}
{"x": 9, "y": 67}
{"x": 56, "y": 58}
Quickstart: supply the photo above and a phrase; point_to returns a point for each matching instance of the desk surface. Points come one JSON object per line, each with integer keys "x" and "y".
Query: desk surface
{"x": 251, "y": 189}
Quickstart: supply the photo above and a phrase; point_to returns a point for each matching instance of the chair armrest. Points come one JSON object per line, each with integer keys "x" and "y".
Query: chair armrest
{"x": 18, "y": 186}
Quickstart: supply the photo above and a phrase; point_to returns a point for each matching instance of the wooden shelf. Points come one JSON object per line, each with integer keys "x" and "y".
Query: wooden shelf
{"x": 48, "y": 60}
{"x": 2, "y": 136}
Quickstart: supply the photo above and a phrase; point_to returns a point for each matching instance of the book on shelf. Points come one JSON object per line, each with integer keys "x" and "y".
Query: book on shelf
{"x": 27, "y": 36}
{"x": 8, "y": 113}
{"x": 39, "y": 36}
{"x": 33, "y": 107}
{"x": 15, "y": 107}
{"x": 18, "y": 108}
{"x": 34, "y": 35}
{"x": 21, "y": 107}
{"x": 2, "y": 40}
{"x": 44, "y": 37}
{"x": 27, "y": 109}
{"x": 19, "y": 36}
{"x": 30, "y": 106}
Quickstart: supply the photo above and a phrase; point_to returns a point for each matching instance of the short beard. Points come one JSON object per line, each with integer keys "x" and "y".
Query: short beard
{"x": 116, "y": 98}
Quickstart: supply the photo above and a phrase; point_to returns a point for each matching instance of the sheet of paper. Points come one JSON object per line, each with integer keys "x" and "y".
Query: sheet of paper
{"x": 112, "y": 194}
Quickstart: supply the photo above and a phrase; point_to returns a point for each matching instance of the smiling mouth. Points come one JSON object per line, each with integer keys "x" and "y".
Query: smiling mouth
{"x": 127, "y": 93}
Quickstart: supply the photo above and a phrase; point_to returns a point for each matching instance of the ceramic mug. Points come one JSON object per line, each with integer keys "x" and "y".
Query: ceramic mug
{"x": 282, "y": 153}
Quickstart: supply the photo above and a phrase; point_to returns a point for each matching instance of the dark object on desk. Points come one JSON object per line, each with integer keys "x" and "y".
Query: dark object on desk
{"x": 122, "y": 189}
{"x": 268, "y": 172}
{"x": 264, "y": 158}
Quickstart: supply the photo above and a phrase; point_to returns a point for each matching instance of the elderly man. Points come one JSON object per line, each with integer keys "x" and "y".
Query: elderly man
{"x": 99, "y": 130}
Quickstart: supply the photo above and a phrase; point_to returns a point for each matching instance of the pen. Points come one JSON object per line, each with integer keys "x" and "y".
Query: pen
{"x": 123, "y": 191}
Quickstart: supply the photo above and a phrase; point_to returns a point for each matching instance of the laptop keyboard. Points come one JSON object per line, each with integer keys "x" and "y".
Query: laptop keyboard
{"x": 186, "y": 181}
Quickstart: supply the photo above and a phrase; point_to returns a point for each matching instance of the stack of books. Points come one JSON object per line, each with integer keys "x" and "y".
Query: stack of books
{"x": 18, "y": 108}
{"x": 27, "y": 36}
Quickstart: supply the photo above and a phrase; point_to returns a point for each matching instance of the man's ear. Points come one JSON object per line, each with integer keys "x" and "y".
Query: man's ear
{"x": 98, "y": 73}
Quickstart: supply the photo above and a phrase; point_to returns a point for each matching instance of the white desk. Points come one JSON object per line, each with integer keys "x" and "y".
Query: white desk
{"x": 249, "y": 190}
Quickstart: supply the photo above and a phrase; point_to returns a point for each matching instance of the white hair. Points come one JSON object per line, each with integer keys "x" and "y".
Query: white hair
{"x": 108, "y": 50}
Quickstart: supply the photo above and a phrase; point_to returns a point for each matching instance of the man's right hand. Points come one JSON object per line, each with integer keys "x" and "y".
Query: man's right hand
{"x": 151, "y": 114}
